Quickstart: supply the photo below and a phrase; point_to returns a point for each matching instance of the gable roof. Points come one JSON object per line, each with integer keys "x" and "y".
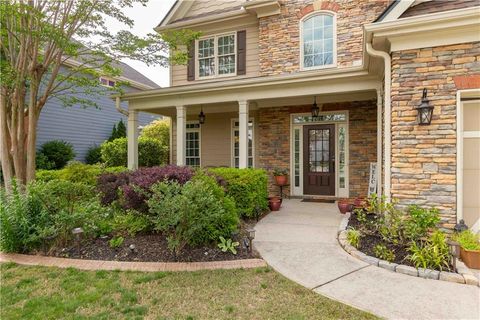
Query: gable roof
{"x": 132, "y": 74}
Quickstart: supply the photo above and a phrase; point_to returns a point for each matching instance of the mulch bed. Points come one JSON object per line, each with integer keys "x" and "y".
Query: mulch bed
{"x": 153, "y": 247}
{"x": 368, "y": 243}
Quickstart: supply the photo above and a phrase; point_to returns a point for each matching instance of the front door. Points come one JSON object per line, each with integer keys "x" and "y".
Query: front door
{"x": 319, "y": 160}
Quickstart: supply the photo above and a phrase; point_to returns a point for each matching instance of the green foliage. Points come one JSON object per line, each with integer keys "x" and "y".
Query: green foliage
{"x": 179, "y": 42}
{"x": 158, "y": 129}
{"x": 118, "y": 131}
{"x": 130, "y": 222}
{"x": 382, "y": 252}
{"x": 433, "y": 253}
{"x": 419, "y": 221}
{"x": 468, "y": 240}
{"x": 228, "y": 245}
{"x": 116, "y": 242}
{"x": 196, "y": 213}
{"x": 353, "y": 237}
{"x": 361, "y": 215}
{"x": 54, "y": 154}
{"x": 45, "y": 214}
{"x": 150, "y": 152}
{"x": 78, "y": 172}
{"x": 94, "y": 155}
{"x": 280, "y": 172}
{"x": 248, "y": 187}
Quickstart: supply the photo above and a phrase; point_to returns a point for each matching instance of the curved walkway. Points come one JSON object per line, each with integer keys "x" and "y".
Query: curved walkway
{"x": 300, "y": 242}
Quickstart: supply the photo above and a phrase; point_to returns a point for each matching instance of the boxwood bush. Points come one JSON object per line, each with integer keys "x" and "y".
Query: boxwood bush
{"x": 78, "y": 172}
{"x": 151, "y": 152}
{"x": 248, "y": 187}
{"x": 54, "y": 154}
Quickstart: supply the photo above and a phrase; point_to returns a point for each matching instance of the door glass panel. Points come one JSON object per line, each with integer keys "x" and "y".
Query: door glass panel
{"x": 341, "y": 154}
{"x": 319, "y": 152}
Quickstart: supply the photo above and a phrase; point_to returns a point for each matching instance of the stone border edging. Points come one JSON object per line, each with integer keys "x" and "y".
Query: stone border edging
{"x": 464, "y": 275}
{"x": 81, "y": 264}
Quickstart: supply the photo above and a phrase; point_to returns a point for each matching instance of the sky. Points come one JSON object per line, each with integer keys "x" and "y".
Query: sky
{"x": 146, "y": 18}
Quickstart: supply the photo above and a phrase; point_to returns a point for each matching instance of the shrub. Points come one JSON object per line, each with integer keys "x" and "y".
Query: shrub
{"x": 353, "y": 237}
{"x": 118, "y": 131}
{"x": 150, "y": 152}
{"x": 77, "y": 172}
{"x": 382, "y": 252}
{"x": 158, "y": 129}
{"x": 196, "y": 213}
{"x": 433, "y": 253}
{"x": 108, "y": 186}
{"x": 248, "y": 187}
{"x": 94, "y": 155}
{"x": 55, "y": 154}
{"x": 419, "y": 221}
{"x": 468, "y": 240}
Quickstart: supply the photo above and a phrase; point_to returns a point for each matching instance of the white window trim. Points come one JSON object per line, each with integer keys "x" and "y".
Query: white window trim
{"x": 215, "y": 56}
{"x": 108, "y": 79}
{"x": 232, "y": 141}
{"x": 334, "y": 52}
{"x": 199, "y": 130}
{"x": 339, "y": 192}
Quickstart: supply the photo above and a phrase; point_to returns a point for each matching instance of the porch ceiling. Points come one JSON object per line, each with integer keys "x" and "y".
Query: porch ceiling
{"x": 347, "y": 85}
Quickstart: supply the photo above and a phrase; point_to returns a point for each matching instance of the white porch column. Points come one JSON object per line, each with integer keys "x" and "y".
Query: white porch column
{"x": 243, "y": 133}
{"x": 181, "y": 123}
{"x": 379, "y": 142}
{"x": 132, "y": 137}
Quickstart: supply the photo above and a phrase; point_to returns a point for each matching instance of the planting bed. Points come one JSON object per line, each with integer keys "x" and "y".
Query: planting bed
{"x": 152, "y": 248}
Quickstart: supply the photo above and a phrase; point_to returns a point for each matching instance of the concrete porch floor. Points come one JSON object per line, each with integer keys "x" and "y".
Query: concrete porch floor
{"x": 300, "y": 242}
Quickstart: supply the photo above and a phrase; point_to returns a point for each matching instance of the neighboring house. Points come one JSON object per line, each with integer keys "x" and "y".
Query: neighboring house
{"x": 86, "y": 127}
{"x": 263, "y": 69}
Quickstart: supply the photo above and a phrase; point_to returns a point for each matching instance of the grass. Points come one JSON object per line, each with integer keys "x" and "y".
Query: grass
{"x": 53, "y": 293}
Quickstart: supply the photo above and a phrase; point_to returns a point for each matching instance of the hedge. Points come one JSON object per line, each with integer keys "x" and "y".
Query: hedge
{"x": 248, "y": 187}
{"x": 77, "y": 172}
{"x": 151, "y": 152}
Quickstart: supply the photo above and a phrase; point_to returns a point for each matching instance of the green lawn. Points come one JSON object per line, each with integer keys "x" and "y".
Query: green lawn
{"x": 53, "y": 293}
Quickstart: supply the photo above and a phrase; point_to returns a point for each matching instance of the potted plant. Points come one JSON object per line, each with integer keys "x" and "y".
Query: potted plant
{"x": 469, "y": 248}
{"x": 344, "y": 206}
{"x": 274, "y": 203}
{"x": 280, "y": 176}
{"x": 360, "y": 202}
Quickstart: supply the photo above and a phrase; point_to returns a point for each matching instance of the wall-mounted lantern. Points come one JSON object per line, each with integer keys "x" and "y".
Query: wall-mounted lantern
{"x": 201, "y": 117}
{"x": 315, "y": 108}
{"x": 425, "y": 110}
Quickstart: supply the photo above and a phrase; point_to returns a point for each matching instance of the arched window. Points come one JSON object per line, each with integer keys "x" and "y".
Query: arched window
{"x": 318, "y": 40}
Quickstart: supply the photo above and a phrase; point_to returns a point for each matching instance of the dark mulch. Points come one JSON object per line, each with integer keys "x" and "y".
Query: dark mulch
{"x": 368, "y": 242}
{"x": 153, "y": 248}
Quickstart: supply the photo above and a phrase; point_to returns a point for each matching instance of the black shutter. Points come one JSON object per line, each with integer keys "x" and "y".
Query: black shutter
{"x": 242, "y": 52}
{"x": 191, "y": 62}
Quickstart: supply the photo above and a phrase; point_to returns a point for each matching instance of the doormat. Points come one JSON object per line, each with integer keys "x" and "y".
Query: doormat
{"x": 319, "y": 200}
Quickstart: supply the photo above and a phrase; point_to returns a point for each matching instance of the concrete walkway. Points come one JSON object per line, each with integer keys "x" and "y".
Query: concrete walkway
{"x": 300, "y": 242}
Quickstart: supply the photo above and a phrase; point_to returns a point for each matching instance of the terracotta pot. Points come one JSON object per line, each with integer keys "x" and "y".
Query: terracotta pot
{"x": 471, "y": 258}
{"x": 274, "y": 205}
{"x": 344, "y": 206}
{"x": 360, "y": 202}
{"x": 281, "y": 180}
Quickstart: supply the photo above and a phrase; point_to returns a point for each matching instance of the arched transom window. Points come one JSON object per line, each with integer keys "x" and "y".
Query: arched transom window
{"x": 318, "y": 41}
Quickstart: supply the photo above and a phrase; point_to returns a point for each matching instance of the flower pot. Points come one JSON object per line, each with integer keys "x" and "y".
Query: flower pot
{"x": 360, "y": 202}
{"x": 471, "y": 258}
{"x": 344, "y": 206}
{"x": 281, "y": 180}
{"x": 274, "y": 205}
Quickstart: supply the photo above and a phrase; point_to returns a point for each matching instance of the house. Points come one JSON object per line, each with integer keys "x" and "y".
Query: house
{"x": 87, "y": 127}
{"x": 327, "y": 88}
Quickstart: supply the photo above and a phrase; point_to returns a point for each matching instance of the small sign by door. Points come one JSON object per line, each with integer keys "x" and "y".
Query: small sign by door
{"x": 372, "y": 181}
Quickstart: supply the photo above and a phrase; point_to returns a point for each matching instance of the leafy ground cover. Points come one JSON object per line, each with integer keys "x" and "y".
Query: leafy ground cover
{"x": 53, "y": 293}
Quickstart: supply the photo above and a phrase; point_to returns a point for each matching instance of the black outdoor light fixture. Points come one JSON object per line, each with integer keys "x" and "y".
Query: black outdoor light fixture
{"x": 201, "y": 117}
{"x": 460, "y": 226}
{"x": 77, "y": 233}
{"x": 315, "y": 108}
{"x": 425, "y": 110}
{"x": 250, "y": 236}
{"x": 454, "y": 252}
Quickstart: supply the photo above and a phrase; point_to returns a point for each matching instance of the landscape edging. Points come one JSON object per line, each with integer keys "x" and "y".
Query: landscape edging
{"x": 464, "y": 275}
{"x": 35, "y": 260}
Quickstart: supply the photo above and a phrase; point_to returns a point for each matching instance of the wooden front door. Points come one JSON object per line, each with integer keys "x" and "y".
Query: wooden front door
{"x": 319, "y": 160}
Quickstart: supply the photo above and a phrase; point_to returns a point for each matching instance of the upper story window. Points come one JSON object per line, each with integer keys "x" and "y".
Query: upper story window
{"x": 216, "y": 56}
{"x": 107, "y": 82}
{"x": 318, "y": 41}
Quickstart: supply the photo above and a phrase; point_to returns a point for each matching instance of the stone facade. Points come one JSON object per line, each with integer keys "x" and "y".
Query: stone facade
{"x": 283, "y": 30}
{"x": 274, "y": 140}
{"x": 424, "y": 157}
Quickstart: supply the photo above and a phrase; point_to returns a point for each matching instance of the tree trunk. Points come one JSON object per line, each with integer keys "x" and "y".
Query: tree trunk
{"x": 7, "y": 169}
{"x": 31, "y": 141}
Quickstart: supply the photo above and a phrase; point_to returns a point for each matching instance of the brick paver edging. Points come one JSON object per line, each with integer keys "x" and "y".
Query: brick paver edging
{"x": 32, "y": 260}
{"x": 464, "y": 275}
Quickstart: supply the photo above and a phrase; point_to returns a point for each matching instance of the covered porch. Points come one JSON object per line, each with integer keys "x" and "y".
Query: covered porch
{"x": 269, "y": 125}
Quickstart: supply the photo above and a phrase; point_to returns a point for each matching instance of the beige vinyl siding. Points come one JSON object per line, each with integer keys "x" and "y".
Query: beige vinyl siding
{"x": 200, "y": 7}
{"x": 216, "y": 139}
{"x": 179, "y": 72}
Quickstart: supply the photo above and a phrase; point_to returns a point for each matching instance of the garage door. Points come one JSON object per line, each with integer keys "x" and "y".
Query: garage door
{"x": 471, "y": 163}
